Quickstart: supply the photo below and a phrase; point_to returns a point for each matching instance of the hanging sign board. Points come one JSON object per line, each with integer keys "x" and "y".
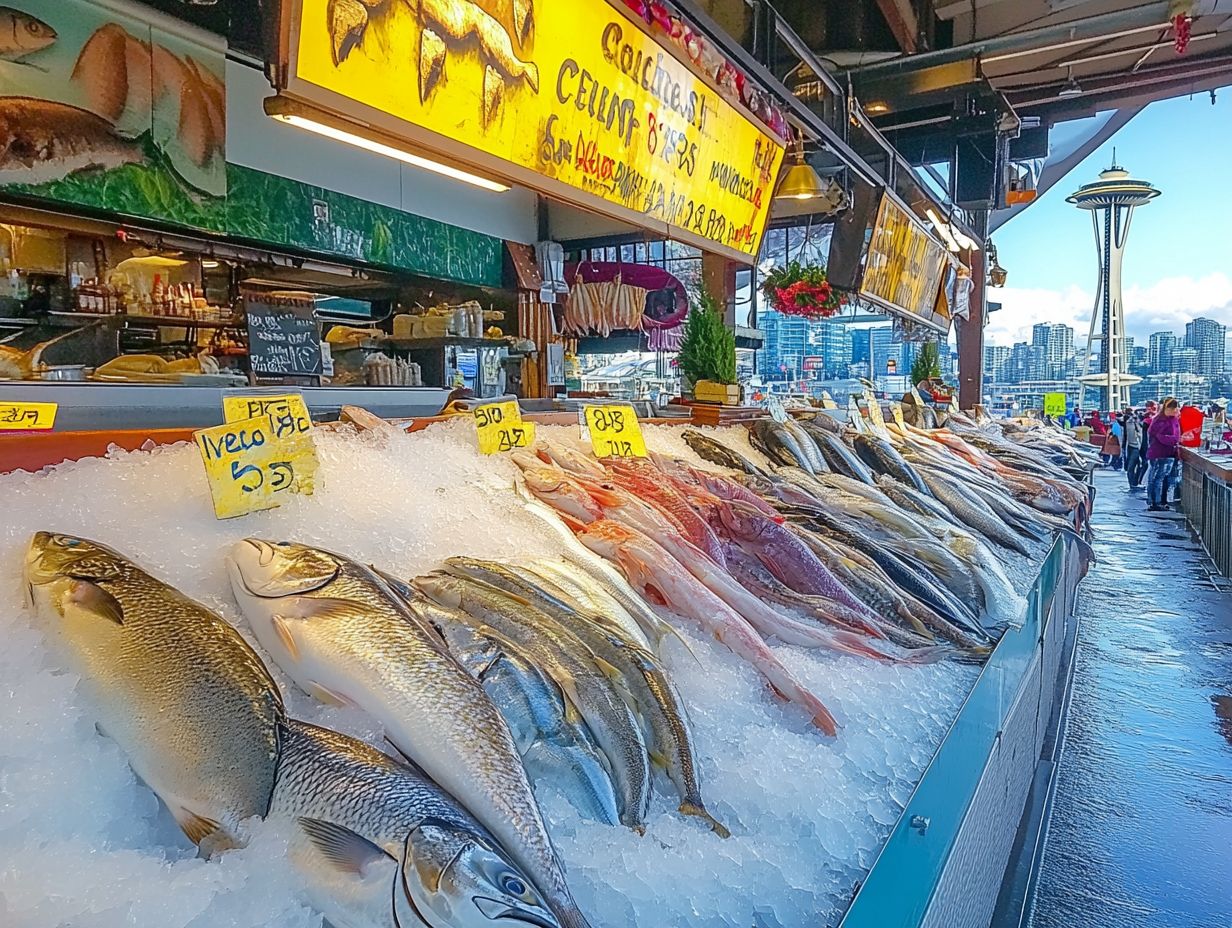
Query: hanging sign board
{"x": 572, "y": 98}
{"x": 904, "y": 266}
{"x": 1054, "y": 404}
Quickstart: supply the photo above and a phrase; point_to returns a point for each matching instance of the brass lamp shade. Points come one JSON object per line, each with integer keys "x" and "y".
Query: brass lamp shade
{"x": 800, "y": 182}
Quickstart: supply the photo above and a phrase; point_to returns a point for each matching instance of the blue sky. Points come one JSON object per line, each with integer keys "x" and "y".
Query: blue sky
{"x": 1178, "y": 260}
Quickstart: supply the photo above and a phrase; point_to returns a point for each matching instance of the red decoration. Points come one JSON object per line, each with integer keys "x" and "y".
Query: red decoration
{"x": 1181, "y": 25}
{"x": 798, "y": 290}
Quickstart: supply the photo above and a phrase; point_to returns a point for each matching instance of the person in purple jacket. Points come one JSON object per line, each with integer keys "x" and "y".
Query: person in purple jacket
{"x": 1165, "y": 437}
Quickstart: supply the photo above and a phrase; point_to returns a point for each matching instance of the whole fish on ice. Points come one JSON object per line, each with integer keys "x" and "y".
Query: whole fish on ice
{"x": 342, "y": 634}
{"x": 191, "y": 704}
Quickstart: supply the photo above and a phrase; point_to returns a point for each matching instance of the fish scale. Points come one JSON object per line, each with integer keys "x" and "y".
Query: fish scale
{"x": 340, "y": 632}
{"x": 176, "y": 686}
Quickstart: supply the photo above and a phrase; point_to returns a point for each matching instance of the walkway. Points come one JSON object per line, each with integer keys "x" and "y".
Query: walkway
{"x": 1141, "y": 830}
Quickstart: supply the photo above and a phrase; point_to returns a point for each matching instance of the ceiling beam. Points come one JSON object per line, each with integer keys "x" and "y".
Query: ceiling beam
{"x": 901, "y": 19}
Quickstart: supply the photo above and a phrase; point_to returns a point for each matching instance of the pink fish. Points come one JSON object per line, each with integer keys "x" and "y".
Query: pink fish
{"x": 651, "y": 569}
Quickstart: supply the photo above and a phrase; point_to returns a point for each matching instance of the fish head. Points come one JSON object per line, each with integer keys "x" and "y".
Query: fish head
{"x": 452, "y": 876}
{"x": 52, "y": 555}
{"x": 28, "y": 33}
{"x": 63, "y": 569}
{"x": 554, "y": 486}
{"x": 272, "y": 570}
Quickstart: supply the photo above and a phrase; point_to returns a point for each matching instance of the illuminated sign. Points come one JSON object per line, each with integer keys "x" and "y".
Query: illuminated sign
{"x": 813, "y": 362}
{"x": 904, "y": 265}
{"x": 570, "y": 97}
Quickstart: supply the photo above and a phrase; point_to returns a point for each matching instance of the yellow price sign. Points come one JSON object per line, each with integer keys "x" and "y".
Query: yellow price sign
{"x": 615, "y": 432}
{"x": 896, "y": 410}
{"x": 288, "y": 410}
{"x": 874, "y": 410}
{"x": 252, "y": 463}
{"x": 500, "y": 427}
{"x": 1054, "y": 404}
{"x": 27, "y": 417}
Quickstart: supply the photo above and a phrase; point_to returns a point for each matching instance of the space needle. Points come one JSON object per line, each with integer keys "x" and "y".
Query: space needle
{"x": 1111, "y": 201}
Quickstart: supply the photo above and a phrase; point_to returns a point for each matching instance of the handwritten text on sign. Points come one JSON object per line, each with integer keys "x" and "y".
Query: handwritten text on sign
{"x": 23, "y": 417}
{"x": 586, "y": 105}
{"x": 500, "y": 427}
{"x": 614, "y": 432}
{"x": 288, "y": 410}
{"x": 252, "y": 463}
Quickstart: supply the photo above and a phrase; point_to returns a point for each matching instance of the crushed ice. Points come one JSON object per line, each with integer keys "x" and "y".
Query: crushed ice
{"x": 83, "y": 843}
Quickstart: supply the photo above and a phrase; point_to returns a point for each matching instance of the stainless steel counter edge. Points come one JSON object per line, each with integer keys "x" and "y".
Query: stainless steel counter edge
{"x": 92, "y": 406}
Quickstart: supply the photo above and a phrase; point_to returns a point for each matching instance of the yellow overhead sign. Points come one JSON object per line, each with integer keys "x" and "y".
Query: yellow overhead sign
{"x": 570, "y": 97}
{"x": 904, "y": 265}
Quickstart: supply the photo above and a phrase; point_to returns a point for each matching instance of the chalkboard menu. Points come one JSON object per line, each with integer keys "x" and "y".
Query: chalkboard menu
{"x": 284, "y": 337}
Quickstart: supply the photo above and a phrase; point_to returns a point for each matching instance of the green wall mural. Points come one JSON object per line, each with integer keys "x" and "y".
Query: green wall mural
{"x": 267, "y": 208}
{"x": 105, "y": 112}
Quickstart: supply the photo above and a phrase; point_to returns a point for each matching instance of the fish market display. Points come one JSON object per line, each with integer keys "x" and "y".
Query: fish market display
{"x": 343, "y": 635}
{"x": 700, "y": 685}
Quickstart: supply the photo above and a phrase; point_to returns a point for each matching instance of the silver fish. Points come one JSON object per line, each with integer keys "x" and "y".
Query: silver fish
{"x": 173, "y": 684}
{"x": 570, "y": 664}
{"x": 555, "y": 744}
{"x": 381, "y": 846}
{"x": 338, "y": 630}
{"x": 631, "y": 667}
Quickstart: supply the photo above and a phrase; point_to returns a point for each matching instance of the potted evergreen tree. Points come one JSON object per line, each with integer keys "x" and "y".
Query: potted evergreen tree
{"x": 708, "y": 354}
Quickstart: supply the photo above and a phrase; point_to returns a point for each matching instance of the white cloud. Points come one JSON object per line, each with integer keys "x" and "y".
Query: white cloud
{"x": 1165, "y": 305}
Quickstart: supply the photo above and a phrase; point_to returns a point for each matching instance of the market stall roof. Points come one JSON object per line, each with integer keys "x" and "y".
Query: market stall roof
{"x": 1054, "y": 59}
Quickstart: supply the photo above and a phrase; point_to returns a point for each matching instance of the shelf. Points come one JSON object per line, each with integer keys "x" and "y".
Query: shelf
{"x": 6, "y": 321}
{"x": 179, "y": 322}
{"x": 427, "y": 344}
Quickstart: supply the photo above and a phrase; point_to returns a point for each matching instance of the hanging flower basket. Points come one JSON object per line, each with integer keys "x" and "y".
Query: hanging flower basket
{"x": 802, "y": 290}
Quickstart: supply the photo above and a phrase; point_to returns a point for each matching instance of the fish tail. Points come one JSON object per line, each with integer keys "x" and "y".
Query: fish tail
{"x": 852, "y": 643}
{"x": 696, "y": 808}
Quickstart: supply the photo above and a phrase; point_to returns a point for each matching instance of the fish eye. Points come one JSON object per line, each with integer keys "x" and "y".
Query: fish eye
{"x": 67, "y": 541}
{"x": 513, "y": 886}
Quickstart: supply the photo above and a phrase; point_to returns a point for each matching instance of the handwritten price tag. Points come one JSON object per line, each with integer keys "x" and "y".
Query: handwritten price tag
{"x": 253, "y": 463}
{"x": 27, "y": 417}
{"x": 500, "y": 427}
{"x": 287, "y": 409}
{"x": 614, "y": 432}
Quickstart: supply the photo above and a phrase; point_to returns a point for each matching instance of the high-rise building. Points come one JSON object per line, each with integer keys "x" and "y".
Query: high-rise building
{"x": 1208, "y": 338}
{"x": 1057, "y": 344}
{"x": 995, "y": 359}
{"x": 1183, "y": 361}
{"x": 1159, "y": 352}
{"x": 796, "y": 348}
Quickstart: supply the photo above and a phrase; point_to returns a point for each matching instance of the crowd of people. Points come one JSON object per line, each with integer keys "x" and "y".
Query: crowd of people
{"x": 1145, "y": 443}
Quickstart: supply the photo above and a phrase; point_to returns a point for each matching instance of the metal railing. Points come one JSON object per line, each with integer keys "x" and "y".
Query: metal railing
{"x": 1207, "y": 501}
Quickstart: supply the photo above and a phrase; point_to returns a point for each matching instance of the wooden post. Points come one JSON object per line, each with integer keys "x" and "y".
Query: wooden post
{"x": 719, "y": 280}
{"x": 970, "y": 332}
